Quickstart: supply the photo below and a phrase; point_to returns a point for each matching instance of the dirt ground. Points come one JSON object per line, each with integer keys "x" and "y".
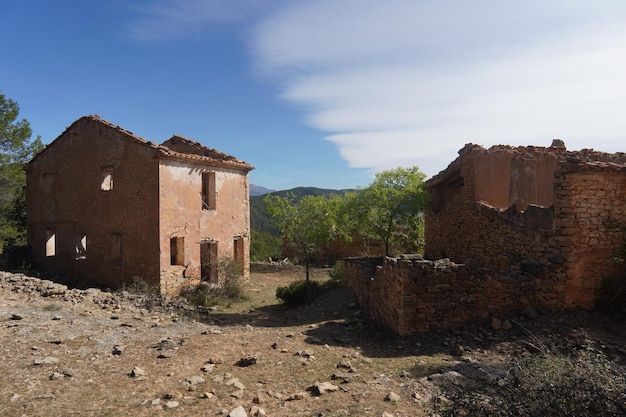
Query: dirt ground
{"x": 91, "y": 353}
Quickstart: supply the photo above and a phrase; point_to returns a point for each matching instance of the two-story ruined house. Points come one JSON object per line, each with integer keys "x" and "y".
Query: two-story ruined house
{"x": 106, "y": 207}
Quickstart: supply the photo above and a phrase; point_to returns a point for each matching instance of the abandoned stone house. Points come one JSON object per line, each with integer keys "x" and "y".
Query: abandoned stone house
{"x": 105, "y": 207}
{"x": 509, "y": 228}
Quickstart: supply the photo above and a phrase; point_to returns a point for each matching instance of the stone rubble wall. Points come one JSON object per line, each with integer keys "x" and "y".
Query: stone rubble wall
{"x": 410, "y": 294}
{"x": 590, "y": 218}
{"x": 505, "y": 258}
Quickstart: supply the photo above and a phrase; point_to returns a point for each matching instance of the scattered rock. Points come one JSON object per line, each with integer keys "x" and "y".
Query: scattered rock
{"x": 208, "y": 368}
{"x": 137, "y": 372}
{"x": 48, "y": 360}
{"x": 257, "y": 411}
{"x": 238, "y": 412}
{"x": 506, "y": 325}
{"x": 192, "y": 382}
{"x": 55, "y": 375}
{"x": 172, "y": 404}
{"x": 346, "y": 365}
{"x": 297, "y": 396}
{"x": 344, "y": 377}
{"x": 173, "y": 396}
{"x": 322, "y": 388}
{"x": 239, "y": 394}
{"x": 118, "y": 349}
{"x": 247, "y": 360}
{"x": 393, "y": 397}
{"x": 16, "y": 317}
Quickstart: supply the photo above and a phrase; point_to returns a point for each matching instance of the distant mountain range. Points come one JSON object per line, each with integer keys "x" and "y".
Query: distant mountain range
{"x": 258, "y": 190}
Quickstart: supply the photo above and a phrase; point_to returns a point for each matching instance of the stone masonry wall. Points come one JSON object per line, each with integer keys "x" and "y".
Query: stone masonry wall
{"x": 552, "y": 257}
{"x": 410, "y": 294}
{"x": 589, "y": 205}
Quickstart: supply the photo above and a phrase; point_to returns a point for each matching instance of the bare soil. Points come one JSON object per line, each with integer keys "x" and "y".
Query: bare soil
{"x": 74, "y": 352}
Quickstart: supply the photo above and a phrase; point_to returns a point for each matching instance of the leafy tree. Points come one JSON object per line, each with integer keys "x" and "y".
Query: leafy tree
{"x": 306, "y": 225}
{"x": 16, "y": 148}
{"x": 390, "y": 209}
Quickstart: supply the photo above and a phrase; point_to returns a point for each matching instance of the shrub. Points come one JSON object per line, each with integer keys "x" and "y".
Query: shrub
{"x": 139, "y": 285}
{"x": 581, "y": 385}
{"x": 296, "y": 293}
{"x": 229, "y": 289}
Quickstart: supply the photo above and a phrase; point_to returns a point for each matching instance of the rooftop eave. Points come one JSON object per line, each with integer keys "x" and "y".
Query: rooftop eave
{"x": 204, "y": 160}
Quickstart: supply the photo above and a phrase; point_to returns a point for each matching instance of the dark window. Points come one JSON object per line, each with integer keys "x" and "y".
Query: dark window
{"x": 209, "y": 192}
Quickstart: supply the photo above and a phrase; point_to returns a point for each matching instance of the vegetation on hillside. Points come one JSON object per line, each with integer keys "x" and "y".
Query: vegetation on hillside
{"x": 16, "y": 149}
{"x": 389, "y": 210}
{"x": 266, "y": 241}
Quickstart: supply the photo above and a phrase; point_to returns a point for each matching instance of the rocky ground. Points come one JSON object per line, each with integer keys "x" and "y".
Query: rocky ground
{"x": 68, "y": 352}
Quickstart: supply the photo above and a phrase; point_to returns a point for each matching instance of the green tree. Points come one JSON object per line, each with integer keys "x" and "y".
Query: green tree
{"x": 390, "y": 209}
{"x": 16, "y": 148}
{"x": 307, "y": 225}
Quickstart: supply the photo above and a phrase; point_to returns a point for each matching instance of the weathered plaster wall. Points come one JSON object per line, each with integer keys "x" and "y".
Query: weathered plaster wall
{"x": 64, "y": 195}
{"x": 182, "y": 215}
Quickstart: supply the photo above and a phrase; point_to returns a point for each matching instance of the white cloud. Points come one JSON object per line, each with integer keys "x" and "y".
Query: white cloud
{"x": 166, "y": 19}
{"x": 404, "y": 82}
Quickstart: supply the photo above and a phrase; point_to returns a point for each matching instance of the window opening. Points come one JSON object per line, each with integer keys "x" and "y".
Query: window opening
{"x": 116, "y": 249}
{"x": 107, "y": 179}
{"x": 177, "y": 251}
{"x": 81, "y": 247}
{"x": 50, "y": 242}
{"x": 209, "y": 193}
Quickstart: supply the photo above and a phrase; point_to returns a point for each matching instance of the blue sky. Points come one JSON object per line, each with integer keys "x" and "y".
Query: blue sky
{"x": 324, "y": 92}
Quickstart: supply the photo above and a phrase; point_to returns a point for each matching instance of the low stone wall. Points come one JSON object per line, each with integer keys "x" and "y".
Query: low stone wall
{"x": 411, "y": 294}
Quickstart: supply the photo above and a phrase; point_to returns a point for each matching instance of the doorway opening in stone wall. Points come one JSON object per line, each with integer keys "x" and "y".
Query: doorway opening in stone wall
{"x": 238, "y": 254}
{"x": 208, "y": 261}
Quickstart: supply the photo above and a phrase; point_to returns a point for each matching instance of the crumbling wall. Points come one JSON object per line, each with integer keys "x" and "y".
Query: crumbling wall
{"x": 569, "y": 236}
{"x": 532, "y": 227}
{"x": 410, "y": 294}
